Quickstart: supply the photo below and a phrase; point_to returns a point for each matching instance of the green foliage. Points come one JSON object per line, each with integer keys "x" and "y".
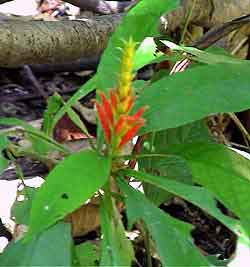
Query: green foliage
{"x": 20, "y": 210}
{"x": 171, "y": 236}
{"x": 192, "y": 95}
{"x": 54, "y": 104}
{"x": 3, "y": 144}
{"x": 86, "y": 254}
{"x": 173, "y": 166}
{"x": 116, "y": 248}
{"x": 178, "y": 157}
{"x": 223, "y": 172}
{"x": 131, "y": 26}
{"x": 50, "y": 248}
{"x": 204, "y": 56}
{"x": 41, "y": 141}
{"x": 67, "y": 187}
{"x": 199, "y": 196}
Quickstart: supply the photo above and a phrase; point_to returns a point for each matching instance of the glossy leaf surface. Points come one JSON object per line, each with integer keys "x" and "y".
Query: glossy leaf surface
{"x": 72, "y": 182}
{"x": 191, "y": 95}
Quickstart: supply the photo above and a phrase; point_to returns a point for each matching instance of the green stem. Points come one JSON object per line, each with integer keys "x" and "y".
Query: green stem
{"x": 139, "y": 156}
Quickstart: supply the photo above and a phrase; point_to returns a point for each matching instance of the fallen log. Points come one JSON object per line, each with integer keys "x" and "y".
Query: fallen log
{"x": 39, "y": 42}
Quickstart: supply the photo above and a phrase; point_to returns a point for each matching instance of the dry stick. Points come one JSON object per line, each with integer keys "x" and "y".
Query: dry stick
{"x": 35, "y": 82}
{"x": 241, "y": 127}
{"x": 187, "y": 21}
{"x": 221, "y": 31}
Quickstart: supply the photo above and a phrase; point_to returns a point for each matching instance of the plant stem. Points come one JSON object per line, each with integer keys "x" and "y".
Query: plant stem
{"x": 138, "y": 156}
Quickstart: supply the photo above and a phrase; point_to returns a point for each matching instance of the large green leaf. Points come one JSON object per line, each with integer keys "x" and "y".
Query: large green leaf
{"x": 140, "y": 22}
{"x": 51, "y": 248}
{"x": 222, "y": 171}
{"x": 199, "y": 196}
{"x": 116, "y": 249}
{"x": 172, "y": 237}
{"x": 68, "y": 185}
{"x": 195, "y": 94}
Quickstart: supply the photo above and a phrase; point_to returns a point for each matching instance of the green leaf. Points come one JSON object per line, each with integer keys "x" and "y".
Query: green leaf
{"x": 54, "y": 104}
{"x": 3, "y": 160}
{"x": 223, "y": 172}
{"x": 89, "y": 86}
{"x": 87, "y": 254}
{"x": 172, "y": 237}
{"x": 116, "y": 248}
{"x": 20, "y": 210}
{"x": 204, "y": 56}
{"x": 140, "y": 22}
{"x": 145, "y": 53}
{"x": 191, "y": 95}
{"x": 216, "y": 262}
{"x": 77, "y": 120}
{"x": 198, "y": 196}
{"x": 72, "y": 182}
{"x": 51, "y": 248}
{"x": 38, "y": 136}
{"x": 173, "y": 167}
{"x": 138, "y": 85}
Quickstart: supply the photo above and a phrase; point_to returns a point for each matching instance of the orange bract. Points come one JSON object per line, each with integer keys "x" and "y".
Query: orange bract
{"x": 118, "y": 128}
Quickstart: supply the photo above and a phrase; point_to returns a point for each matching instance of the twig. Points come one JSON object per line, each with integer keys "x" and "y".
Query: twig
{"x": 35, "y": 82}
{"x": 241, "y": 127}
{"x": 187, "y": 21}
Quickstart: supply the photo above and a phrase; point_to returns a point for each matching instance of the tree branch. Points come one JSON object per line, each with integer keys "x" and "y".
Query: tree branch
{"x": 38, "y": 42}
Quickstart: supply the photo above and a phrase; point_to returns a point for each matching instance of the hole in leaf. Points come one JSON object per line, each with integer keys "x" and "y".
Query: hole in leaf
{"x": 65, "y": 196}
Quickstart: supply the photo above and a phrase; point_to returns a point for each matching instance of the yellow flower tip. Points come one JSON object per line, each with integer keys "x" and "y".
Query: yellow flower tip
{"x": 126, "y": 76}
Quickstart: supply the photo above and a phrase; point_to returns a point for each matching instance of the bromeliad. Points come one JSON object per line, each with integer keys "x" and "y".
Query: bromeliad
{"x": 118, "y": 125}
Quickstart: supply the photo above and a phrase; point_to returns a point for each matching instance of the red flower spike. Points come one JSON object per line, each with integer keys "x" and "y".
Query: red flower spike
{"x": 129, "y": 104}
{"x": 119, "y": 125}
{"x": 104, "y": 123}
{"x": 129, "y": 134}
{"x": 138, "y": 114}
{"x": 113, "y": 99}
{"x": 131, "y": 121}
{"x": 106, "y": 107}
